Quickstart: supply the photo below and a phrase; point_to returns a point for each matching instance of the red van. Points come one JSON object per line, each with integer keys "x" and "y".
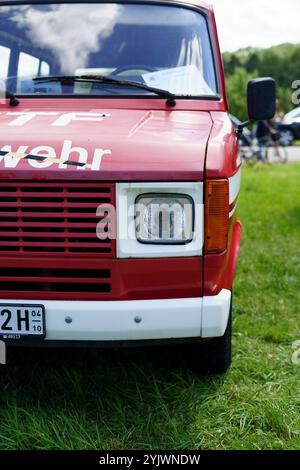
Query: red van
{"x": 119, "y": 176}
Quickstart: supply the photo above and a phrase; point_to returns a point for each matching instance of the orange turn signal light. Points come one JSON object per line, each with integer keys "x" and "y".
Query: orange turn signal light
{"x": 216, "y": 215}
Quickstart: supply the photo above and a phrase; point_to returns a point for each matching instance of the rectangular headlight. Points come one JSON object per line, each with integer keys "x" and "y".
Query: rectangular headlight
{"x": 164, "y": 219}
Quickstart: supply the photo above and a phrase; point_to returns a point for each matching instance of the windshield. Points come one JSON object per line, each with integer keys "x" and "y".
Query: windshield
{"x": 161, "y": 46}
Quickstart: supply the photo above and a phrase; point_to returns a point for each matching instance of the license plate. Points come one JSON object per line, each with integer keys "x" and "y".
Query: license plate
{"x": 21, "y": 321}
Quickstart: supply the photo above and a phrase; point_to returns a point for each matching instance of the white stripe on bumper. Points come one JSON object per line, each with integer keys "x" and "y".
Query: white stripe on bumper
{"x": 117, "y": 320}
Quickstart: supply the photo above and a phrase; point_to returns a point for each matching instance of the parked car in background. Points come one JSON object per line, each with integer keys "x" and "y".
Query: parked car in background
{"x": 290, "y": 127}
{"x": 292, "y": 116}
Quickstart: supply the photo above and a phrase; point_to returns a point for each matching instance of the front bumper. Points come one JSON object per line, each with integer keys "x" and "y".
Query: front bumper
{"x": 138, "y": 320}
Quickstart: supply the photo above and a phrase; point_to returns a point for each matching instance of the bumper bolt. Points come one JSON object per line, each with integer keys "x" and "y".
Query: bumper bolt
{"x": 137, "y": 319}
{"x": 68, "y": 320}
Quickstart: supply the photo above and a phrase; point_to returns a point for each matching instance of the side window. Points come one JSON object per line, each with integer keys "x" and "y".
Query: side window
{"x": 45, "y": 69}
{"x": 28, "y": 66}
{"x": 4, "y": 60}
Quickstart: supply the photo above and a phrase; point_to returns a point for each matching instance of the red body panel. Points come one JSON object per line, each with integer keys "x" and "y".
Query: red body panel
{"x": 140, "y": 144}
{"x": 220, "y": 269}
{"x": 222, "y": 152}
{"x": 131, "y": 279}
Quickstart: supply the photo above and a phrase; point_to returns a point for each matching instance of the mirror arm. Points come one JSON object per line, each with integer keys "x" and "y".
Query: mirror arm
{"x": 241, "y": 127}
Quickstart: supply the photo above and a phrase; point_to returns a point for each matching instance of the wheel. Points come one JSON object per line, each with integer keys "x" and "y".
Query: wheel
{"x": 278, "y": 154}
{"x": 213, "y": 356}
{"x": 286, "y": 137}
{"x": 247, "y": 154}
{"x": 284, "y": 155}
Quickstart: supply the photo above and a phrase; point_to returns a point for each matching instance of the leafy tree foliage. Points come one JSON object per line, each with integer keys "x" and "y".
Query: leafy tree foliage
{"x": 280, "y": 62}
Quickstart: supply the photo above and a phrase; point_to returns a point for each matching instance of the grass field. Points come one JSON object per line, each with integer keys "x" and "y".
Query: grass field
{"x": 145, "y": 399}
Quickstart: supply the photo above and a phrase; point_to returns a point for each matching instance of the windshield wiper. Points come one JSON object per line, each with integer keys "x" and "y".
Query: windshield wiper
{"x": 170, "y": 97}
{"x": 13, "y": 101}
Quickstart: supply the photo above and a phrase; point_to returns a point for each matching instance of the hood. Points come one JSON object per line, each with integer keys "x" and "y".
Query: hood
{"x": 70, "y": 139}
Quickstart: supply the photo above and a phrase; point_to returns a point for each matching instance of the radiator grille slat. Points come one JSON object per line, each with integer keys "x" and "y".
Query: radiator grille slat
{"x": 55, "y": 217}
{"x": 53, "y": 225}
{"x": 55, "y": 283}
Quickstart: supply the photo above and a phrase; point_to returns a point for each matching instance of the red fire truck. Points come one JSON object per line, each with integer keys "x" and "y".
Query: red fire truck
{"x": 119, "y": 177}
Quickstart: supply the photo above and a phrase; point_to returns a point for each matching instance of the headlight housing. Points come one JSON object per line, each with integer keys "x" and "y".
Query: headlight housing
{"x": 129, "y": 246}
{"x": 164, "y": 219}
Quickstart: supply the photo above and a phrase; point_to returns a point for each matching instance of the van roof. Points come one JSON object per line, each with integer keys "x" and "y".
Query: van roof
{"x": 198, "y": 3}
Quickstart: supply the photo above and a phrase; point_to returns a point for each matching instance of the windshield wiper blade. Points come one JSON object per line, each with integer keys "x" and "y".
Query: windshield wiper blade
{"x": 170, "y": 97}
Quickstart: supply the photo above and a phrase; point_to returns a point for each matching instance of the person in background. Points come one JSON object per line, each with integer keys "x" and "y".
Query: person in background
{"x": 279, "y": 115}
{"x": 266, "y": 131}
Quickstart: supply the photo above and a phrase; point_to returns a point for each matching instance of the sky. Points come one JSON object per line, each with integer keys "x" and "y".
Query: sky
{"x": 257, "y": 23}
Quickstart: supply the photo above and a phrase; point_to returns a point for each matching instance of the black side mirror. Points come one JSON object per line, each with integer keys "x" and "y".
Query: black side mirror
{"x": 261, "y": 96}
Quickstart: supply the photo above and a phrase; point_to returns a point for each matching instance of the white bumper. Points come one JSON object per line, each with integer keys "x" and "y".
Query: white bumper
{"x": 135, "y": 320}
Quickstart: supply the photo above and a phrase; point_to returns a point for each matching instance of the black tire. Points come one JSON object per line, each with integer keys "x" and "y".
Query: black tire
{"x": 213, "y": 356}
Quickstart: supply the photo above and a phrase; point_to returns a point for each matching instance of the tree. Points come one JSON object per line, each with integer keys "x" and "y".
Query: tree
{"x": 280, "y": 62}
{"x": 237, "y": 93}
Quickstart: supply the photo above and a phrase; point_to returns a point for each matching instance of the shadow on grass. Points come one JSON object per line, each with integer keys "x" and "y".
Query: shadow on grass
{"x": 136, "y": 398}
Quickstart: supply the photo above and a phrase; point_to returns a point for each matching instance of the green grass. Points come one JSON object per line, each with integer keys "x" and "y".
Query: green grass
{"x": 146, "y": 399}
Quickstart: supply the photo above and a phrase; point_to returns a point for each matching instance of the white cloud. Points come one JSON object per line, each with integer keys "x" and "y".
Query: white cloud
{"x": 83, "y": 31}
{"x": 257, "y": 23}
